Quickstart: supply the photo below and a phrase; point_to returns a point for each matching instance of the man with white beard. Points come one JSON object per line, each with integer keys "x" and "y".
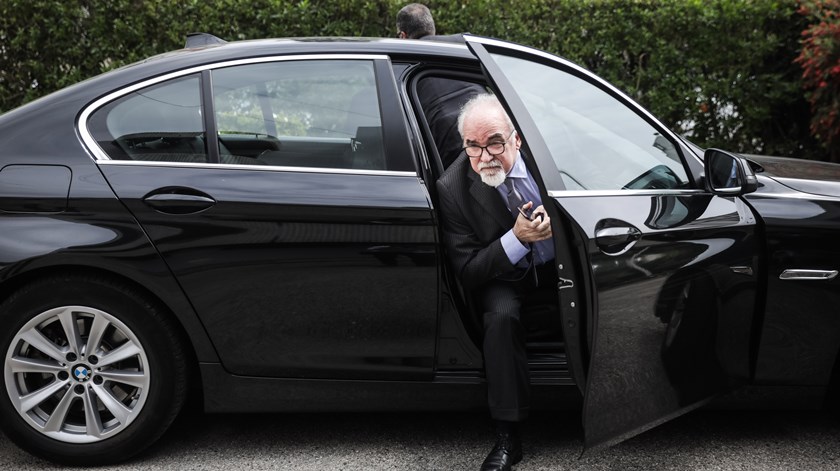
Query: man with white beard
{"x": 499, "y": 250}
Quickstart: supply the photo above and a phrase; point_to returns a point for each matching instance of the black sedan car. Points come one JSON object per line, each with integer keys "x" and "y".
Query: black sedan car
{"x": 252, "y": 226}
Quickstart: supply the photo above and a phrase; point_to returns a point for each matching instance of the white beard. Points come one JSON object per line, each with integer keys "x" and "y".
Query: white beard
{"x": 494, "y": 179}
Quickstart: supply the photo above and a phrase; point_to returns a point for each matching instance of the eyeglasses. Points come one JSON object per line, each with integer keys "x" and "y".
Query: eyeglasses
{"x": 493, "y": 149}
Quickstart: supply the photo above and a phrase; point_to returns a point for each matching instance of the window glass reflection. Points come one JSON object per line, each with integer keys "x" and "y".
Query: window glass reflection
{"x": 309, "y": 113}
{"x": 160, "y": 123}
{"x": 596, "y": 142}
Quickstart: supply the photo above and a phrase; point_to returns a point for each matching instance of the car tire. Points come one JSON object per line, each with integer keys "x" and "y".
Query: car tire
{"x": 94, "y": 370}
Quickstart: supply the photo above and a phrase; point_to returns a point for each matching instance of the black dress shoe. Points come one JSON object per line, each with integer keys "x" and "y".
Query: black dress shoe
{"x": 506, "y": 453}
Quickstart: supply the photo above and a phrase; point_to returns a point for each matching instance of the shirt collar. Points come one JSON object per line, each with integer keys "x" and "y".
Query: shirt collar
{"x": 519, "y": 170}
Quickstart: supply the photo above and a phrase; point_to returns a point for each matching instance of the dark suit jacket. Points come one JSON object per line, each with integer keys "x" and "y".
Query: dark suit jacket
{"x": 474, "y": 218}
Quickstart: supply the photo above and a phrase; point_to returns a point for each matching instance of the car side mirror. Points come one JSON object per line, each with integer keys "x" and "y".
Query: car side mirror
{"x": 726, "y": 174}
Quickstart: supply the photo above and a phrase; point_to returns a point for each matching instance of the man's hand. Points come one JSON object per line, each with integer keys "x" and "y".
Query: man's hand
{"x": 531, "y": 231}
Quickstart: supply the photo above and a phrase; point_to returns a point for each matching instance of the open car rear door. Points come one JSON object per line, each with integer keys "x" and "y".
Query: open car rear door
{"x": 656, "y": 275}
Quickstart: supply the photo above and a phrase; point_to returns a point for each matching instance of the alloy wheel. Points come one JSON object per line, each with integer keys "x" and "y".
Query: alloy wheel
{"x": 77, "y": 374}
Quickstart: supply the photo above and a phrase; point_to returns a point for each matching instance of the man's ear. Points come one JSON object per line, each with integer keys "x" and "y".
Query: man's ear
{"x": 401, "y": 35}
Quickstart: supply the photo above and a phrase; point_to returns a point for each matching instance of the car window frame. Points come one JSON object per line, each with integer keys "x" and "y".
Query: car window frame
{"x": 394, "y": 128}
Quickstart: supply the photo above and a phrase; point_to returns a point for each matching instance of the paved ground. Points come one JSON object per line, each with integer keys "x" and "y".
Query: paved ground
{"x": 702, "y": 440}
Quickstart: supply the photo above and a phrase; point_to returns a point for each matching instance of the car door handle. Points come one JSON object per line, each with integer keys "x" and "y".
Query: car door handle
{"x": 616, "y": 240}
{"x": 178, "y": 200}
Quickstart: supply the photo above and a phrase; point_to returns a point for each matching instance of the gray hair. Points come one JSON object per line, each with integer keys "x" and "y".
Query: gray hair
{"x": 479, "y": 101}
{"x": 416, "y": 21}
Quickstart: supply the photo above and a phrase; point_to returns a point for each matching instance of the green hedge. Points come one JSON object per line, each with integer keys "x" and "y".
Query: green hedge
{"x": 720, "y": 71}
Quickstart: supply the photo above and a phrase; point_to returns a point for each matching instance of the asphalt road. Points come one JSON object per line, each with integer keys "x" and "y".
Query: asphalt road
{"x": 701, "y": 440}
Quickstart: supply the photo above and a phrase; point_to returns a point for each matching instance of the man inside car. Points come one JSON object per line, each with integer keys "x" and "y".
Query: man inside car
{"x": 499, "y": 242}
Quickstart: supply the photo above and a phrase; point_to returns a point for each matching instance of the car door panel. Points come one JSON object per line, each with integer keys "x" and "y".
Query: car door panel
{"x": 674, "y": 310}
{"x": 313, "y": 258}
{"x": 666, "y": 273}
{"x": 299, "y": 274}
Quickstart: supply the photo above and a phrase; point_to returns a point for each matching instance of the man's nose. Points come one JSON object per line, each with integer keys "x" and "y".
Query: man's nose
{"x": 486, "y": 156}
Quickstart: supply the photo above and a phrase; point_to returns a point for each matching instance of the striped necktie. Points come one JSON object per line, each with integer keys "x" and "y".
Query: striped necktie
{"x": 514, "y": 198}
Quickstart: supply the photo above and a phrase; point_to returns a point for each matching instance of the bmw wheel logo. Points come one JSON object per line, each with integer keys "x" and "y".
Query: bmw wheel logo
{"x": 81, "y": 373}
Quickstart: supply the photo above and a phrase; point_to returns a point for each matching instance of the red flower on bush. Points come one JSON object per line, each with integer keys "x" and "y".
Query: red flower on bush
{"x": 820, "y": 62}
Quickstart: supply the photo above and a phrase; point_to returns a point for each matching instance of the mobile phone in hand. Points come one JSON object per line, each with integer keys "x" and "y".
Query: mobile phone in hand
{"x": 529, "y": 215}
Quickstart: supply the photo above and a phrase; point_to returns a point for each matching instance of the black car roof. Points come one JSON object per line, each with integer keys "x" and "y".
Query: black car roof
{"x": 398, "y": 49}
{"x": 315, "y": 45}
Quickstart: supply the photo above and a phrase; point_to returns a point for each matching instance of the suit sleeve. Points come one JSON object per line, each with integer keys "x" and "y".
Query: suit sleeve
{"x": 475, "y": 262}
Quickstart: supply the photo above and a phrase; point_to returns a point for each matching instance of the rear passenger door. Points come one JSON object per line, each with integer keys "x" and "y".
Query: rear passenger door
{"x": 283, "y": 195}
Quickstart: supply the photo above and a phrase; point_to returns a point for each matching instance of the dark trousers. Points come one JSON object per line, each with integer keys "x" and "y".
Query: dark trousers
{"x": 503, "y": 304}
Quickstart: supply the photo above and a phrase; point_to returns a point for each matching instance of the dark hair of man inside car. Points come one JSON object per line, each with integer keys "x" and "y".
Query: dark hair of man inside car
{"x": 415, "y": 21}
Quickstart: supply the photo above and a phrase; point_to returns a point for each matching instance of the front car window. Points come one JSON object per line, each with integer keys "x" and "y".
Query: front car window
{"x": 596, "y": 141}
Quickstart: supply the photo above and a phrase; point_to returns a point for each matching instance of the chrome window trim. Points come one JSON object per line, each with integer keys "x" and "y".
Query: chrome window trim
{"x": 271, "y": 168}
{"x": 581, "y": 70}
{"x": 99, "y": 156}
{"x": 579, "y": 193}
